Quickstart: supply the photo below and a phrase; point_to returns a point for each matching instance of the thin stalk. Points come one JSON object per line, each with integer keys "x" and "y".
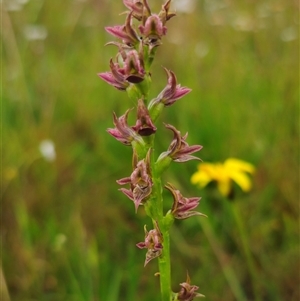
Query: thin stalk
{"x": 246, "y": 249}
{"x": 222, "y": 257}
{"x": 4, "y": 291}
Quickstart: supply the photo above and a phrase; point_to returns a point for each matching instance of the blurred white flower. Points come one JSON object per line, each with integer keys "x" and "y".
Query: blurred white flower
{"x": 289, "y": 34}
{"x": 14, "y": 5}
{"x": 184, "y": 6}
{"x": 201, "y": 49}
{"x": 243, "y": 22}
{"x": 59, "y": 241}
{"x": 263, "y": 10}
{"x": 47, "y": 150}
{"x": 214, "y": 5}
{"x": 35, "y": 32}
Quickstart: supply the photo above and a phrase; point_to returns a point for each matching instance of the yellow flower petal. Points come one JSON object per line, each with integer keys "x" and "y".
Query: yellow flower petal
{"x": 224, "y": 186}
{"x": 201, "y": 178}
{"x": 242, "y": 179}
{"x": 237, "y": 164}
{"x": 214, "y": 171}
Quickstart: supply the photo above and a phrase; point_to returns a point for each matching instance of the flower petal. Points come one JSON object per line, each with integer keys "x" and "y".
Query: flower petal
{"x": 201, "y": 178}
{"x": 224, "y": 186}
{"x": 242, "y": 179}
{"x": 237, "y": 164}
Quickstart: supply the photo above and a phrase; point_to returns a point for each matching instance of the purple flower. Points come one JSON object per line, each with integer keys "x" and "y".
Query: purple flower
{"x": 125, "y": 32}
{"x": 182, "y": 206}
{"x": 171, "y": 92}
{"x": 188, "y": 291}
{"x": 134, "y": 67}
{"x": 153, "y": 242}
{"x": 132, "y": 71}
{"x": 178, "y": 149}
{"x": 136, "y": 7}
{"x": 116, "y": 77}
{"x": 144, "y": 125}
{"x": 153, "y": 30}
{"x": 140, "y": 181}
{"x": 123, "y": 132}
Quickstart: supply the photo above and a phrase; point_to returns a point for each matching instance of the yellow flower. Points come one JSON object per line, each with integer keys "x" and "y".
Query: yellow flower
{"x": 224, "y": 173}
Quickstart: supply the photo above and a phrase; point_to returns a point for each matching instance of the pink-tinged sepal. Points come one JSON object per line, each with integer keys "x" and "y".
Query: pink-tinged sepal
{"x": 119, "y": 32}
{"x": 179, "y": 150}
{"x": 116, "y": 77}
{"x": 136, "y": 7}
{"x": 124, "y": 181}
{"x": 153, "y": 242}
{"x": 125, "y": 32}
{"x": 123, "y": 132}
{"x": 182, "y": 207}
{"x": 171, "y": 93}
{"x": 127, "y": 192}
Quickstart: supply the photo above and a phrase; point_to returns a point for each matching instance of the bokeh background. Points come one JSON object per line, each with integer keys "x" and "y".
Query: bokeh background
{"x": 67, "y": 233}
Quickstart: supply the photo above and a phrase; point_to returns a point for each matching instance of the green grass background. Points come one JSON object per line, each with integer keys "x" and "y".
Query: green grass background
{"x": 67, "y": 233}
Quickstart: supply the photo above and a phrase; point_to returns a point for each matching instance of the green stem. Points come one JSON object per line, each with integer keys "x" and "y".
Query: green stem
{"x": 165, "y": 268}
{"x": 164, "y": 261}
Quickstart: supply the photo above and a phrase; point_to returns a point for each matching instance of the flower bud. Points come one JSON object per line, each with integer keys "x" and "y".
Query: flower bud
{"x": 188, "y": 291}
{"x": 164, "y": 14}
